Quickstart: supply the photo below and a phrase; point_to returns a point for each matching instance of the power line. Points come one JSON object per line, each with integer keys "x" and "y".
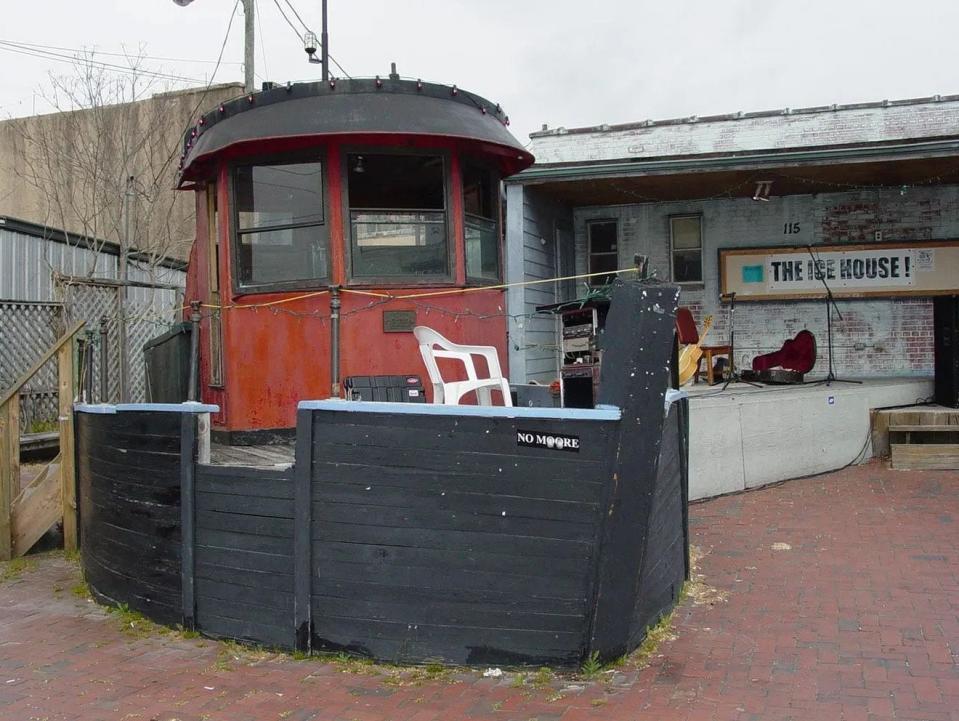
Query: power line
{"x": 342, "y": 70}
{"x": 259, "y": 27}
{"x": 288, "y": 21}
{"x": 74, "y": 60}
{"x": 94, "y": 51}
{"x": 206, "y": 91}
{"x": 297, "y": 14}
{"x": 305, "y": 27}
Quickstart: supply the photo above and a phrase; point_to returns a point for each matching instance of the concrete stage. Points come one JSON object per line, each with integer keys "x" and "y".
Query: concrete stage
{"x": 746, "y": 437}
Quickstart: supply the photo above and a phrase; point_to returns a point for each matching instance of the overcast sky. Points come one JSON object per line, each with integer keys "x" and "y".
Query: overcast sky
{"x": 561, "y": 62}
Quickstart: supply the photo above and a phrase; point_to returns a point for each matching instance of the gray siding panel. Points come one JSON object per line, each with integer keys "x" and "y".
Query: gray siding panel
{"x": 28, "y": 265}
{"x": 535, "y": 220}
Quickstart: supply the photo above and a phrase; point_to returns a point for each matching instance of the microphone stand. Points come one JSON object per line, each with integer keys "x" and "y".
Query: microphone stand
{"x": 734, "y": 375}
{"x": 831, "y": 376}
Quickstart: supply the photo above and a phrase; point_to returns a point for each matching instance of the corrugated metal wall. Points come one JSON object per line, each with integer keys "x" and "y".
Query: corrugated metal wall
{"x": 28, "y": 264}
{"x": 28, "y": 269}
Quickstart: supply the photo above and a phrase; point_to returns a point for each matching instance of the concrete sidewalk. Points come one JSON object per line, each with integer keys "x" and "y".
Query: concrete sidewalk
{"x": 833, "y": 598}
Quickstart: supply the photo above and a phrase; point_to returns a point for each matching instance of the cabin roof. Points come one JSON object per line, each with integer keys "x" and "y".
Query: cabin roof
{"x": 370, "y": 106}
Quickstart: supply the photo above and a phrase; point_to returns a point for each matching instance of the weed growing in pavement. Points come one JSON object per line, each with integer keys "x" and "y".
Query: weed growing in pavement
{"x": 591, "y": 667}
{"x": 695, "y": 588}
{"x": 230, "y": 654}
{"x": 418, "y": 675}
{"x": 12, "y": 570}
{"x": 348, "y": 663}
{"x": 543, "y": 676}
{"x": 187, "y": 633}
{"x": 133, "y": 623}
{"x": 224, "y": 661}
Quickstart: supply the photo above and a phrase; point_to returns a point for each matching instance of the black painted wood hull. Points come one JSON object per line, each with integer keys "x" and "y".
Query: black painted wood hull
{"x": 433, "y": 537}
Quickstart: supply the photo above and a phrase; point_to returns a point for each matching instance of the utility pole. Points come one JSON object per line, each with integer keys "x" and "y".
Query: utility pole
{"x": 324, "y": 48}
{"x": 248, "y": 45}
{"x": 126, "y": 242}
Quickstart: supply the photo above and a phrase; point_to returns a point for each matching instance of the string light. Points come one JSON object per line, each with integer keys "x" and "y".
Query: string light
{"x": 276, "y": 307}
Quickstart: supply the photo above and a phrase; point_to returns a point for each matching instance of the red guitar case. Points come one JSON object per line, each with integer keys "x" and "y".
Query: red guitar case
{"x": 797, "y": 355}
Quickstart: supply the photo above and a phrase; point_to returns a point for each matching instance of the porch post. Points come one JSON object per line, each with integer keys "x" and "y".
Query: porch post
{"x": 68, "y": 477}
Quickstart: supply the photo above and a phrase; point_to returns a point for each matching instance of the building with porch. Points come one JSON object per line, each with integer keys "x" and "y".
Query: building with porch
{"x": 680, "y": 190}
{"x": 836, "y": 186}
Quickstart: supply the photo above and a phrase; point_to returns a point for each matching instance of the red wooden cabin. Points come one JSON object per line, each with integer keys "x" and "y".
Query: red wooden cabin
{"x": 374, "y": 186}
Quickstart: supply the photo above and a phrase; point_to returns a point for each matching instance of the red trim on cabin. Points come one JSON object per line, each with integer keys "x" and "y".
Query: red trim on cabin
{"x": 338, "y": 236}
{"x": 459, "y": 229}
{"x": 275, "y": 356}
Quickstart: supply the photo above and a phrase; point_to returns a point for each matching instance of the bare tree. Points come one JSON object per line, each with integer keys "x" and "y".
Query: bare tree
{"x": 102, "y": 169}
{"x": 110, "y": 145}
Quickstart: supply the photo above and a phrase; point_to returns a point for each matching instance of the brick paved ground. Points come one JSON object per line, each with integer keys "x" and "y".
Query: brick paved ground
{"x": 833, "y": 598}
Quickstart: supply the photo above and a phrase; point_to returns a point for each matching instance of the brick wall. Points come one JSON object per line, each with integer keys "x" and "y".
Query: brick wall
{"x": 877, "y": 337}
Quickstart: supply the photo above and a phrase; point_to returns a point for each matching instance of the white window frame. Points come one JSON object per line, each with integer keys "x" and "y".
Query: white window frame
{"x": 672, "y": 249}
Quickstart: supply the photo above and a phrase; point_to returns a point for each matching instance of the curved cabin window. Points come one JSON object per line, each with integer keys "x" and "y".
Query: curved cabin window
{"x": 482, "y": 230}
{"x": 281, "y": 238}
{"x": 398, "y": 226}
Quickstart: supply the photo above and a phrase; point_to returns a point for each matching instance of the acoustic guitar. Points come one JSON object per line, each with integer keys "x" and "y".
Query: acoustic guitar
{"x": 690, "y": 354}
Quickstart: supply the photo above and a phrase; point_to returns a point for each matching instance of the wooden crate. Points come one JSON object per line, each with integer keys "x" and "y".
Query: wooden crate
{"x": 921, "y": 438}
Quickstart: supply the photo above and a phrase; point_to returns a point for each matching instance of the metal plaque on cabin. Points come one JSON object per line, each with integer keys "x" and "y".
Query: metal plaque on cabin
{"x": 399, "y": 321}
{"x": 551, "y": 441}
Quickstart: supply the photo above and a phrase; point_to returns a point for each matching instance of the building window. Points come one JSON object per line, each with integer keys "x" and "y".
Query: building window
{"x": 686, "y": 248}
{"x": 480, "y": 206}
{"x": 603, "y": 238}
{"x": 397, "y": 208}
{"x": 280, "y": 229}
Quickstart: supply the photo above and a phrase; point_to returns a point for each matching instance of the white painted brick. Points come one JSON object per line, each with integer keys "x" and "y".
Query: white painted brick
{"x": 896, "y": 333}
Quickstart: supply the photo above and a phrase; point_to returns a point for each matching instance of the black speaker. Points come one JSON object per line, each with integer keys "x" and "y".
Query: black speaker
{"x": 946, "y": 328}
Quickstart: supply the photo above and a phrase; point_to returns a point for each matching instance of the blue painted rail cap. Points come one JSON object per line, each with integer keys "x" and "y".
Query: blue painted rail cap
{"x": 188, "y": 407}
{"x": 101, "y": 408}
{"x": 604, "y": 413}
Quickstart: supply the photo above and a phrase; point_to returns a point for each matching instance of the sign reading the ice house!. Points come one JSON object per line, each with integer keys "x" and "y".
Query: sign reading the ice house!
{"x": 851, "y": 271}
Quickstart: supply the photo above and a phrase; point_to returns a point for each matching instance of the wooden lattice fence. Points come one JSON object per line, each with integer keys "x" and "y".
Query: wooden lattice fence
{"x": 148, "y": 312}
{"x": 26, "y": 329}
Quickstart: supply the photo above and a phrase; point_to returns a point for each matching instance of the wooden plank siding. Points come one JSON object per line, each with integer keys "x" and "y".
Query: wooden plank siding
{"x": 427, "y": 535}
{"x": 664, "y": 567}
{"x": 128, "y": 477}
{"x": 534, "y": 337}
{"x": 439, "y": 538}
{"x": 244, "y": 554}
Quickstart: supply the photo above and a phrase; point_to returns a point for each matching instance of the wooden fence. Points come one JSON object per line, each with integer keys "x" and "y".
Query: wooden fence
{"x": 28, "y": 511}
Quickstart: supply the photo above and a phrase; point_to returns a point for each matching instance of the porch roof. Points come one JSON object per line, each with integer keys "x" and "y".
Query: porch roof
{"x": 811, "y": 150}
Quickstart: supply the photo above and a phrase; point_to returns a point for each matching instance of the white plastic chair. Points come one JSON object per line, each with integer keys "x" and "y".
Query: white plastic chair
{"x": 450, "y": 393}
